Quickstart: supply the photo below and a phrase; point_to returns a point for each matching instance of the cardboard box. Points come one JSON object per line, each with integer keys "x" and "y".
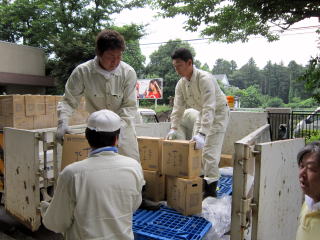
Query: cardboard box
{"x": 50, "y": 105}
{"x": 35, "y": 105}
{"x": 150, "y": 149}
{"x": 21, "y": 122}
{"x": 12, "y": 105}
{"x": 75, "y": 148}
{"x": 155, "y": 186}
{"x": 185, "y": 195}
{"x": 180, "y": 159}
{"x": 226, "y": 160}
{"x": 44, "y": 121}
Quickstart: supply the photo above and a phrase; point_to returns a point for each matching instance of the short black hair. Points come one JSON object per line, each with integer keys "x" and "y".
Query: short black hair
{"x": 101, "y": 139}
{"x": 313, "y": 147}
{"x": 109, "y": 40}
{"x": 183, "y": 54}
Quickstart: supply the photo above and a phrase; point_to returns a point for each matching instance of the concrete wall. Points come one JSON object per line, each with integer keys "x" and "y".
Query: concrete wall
{"x": 240, "y": 125}
{"x": 21, "y": 59}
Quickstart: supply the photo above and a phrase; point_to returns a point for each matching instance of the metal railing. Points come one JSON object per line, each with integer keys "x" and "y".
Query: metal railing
{"x": 294, "y": 124}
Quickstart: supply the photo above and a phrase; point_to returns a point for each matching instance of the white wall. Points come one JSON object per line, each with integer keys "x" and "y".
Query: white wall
{"x": 240, "y": 125}
{"x": 21, "y": 59}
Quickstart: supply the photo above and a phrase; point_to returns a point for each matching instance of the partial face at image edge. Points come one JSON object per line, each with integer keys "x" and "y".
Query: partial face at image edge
{"x": 309, "y": 176}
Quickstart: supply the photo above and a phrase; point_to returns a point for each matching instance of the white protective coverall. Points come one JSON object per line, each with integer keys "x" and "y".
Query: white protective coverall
{"x": 186, "y": 128}
{"x": 96, "y": 198}
{"x": 203, "y": 93}
{"x": 114, "y": 91}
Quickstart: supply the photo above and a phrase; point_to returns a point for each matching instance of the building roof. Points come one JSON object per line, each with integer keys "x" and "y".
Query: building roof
{"x": 25, "y": 79}
{"x": 222, "y": 78}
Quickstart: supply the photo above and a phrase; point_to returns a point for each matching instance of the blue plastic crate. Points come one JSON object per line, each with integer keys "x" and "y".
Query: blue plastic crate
{"x": 224, "y": 186}
{"x": 166, "y": 224}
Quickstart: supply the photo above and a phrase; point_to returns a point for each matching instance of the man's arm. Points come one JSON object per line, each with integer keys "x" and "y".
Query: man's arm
{"x": 208, "y": 97}
{"x": 128, "y": 107}
{"x": 59, "y": 215}
{"x": 73, "y": 92}
{"x": 179, "y": 106}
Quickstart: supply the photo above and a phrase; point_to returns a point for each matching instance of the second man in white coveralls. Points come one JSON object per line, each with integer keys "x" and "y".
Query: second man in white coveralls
{"x": 106, "y": 83}
{"x": 197, "y": 89}
{"x": 95, "y": 198}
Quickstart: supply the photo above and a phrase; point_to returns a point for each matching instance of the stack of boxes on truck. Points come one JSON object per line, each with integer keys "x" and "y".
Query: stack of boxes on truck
{"x": 177, "y": 164}
{"x": 32, "y": 112}
{"x": 35, "y": 111}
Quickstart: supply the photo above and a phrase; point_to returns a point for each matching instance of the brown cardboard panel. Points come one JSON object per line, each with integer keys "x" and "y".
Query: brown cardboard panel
{"x": 150, "y": 149}
{"x": 184, "y": 195}
{"x": 75, "y": 148}
{"x": 35, "y": 105}
{"x": 12, "y": 105}
{"x": 50, "y": 105}
{"x": 226, "y": 160}
{"x": 23, "y": 122}
{"x": 44, "y": 121}
{"x": 155, "y": 185}
{"x": 180, "y": 159}
{"x": 1, "y": 154}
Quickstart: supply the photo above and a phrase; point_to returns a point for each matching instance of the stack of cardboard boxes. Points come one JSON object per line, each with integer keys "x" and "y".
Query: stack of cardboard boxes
{"x": 35, "y": 111}
{"x": 171, "y": 170}
{"x": 150, "y": 150}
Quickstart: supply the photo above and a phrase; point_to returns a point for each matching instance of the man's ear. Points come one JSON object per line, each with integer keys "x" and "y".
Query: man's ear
{"x": 116, "y": 140}
{"x": 189, "y": 62}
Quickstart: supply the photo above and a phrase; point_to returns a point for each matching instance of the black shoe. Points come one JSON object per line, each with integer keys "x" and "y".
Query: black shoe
{"x": 210, "y": 190}
{"x": 149, "y": 205}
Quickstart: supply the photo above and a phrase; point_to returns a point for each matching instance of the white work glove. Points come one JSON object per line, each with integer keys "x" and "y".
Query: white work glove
{"x": 43, "y": 207}
{"x": 199, "y": 139}
{"x": 172, "y": 134}
{"x": 62, "y": 129}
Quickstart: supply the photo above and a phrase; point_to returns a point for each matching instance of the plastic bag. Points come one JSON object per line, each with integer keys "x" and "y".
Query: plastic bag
{"x": 218, "y": 212}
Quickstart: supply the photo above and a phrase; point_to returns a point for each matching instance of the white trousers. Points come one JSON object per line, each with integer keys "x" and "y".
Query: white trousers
{"x": 128, "y": 144}
{"x": 211, "y": 152}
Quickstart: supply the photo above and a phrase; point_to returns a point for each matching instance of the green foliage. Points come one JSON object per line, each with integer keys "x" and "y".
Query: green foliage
{"x": 315, "y": 136}
{"x": 312, "y": 78}
{"x": 66, "y": 30}
{"x": 274, "y": 102}
{"x": 233, "y": 20}
{"x": 162, "y": 108}
{"x": 248, "y": 75}
{"x": 224, "y": 67}
{"x": 250, "y": 97}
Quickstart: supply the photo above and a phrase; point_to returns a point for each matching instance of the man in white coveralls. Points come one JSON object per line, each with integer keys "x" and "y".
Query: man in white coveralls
{"x": 197, "y": 89}
{"x": 106, "y": 82}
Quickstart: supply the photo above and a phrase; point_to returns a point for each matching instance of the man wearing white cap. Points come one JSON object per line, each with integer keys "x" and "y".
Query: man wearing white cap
{"x": 95, "y": 198}
{"x": 106, "y": 82}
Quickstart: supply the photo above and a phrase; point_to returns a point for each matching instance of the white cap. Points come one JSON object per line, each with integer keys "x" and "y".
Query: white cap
{"x": 104, "y": 121}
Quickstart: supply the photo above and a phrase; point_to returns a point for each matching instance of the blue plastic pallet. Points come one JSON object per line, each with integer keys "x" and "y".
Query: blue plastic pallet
{"x": 224, "y": 186}
{"x": 166, "y": 224}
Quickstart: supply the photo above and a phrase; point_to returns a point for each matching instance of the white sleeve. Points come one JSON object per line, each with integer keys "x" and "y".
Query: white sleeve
{"x": 208, "y": 99}
{"x": 73, "y": 92}
{"x": 128, "y": 107}
{"x": 59, "y": 215}
{"x": 178, "y": 107}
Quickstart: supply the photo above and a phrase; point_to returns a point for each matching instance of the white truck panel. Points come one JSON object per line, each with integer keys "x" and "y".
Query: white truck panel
{"x": 22, "y": 193}
{"x": 280, "y": 195}
{"x": 241, "y": 124}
